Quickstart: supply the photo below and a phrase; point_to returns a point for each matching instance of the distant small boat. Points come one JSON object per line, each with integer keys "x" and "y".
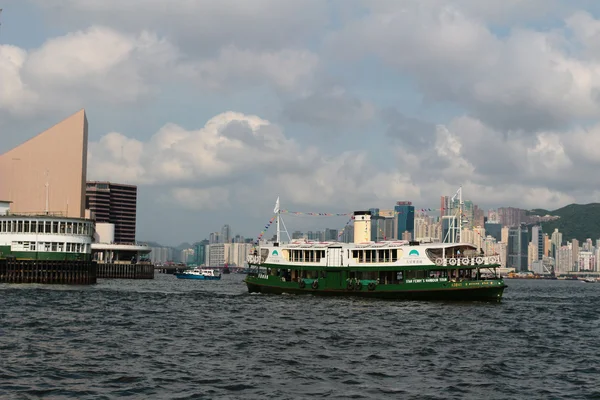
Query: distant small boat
{"x": 589, "y": 280}
{"x": 202, "y": 274}
{"x": 226, "y": 269}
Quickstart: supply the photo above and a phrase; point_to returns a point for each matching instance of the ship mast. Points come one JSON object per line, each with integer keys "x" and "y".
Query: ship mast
{"x": 278, "y": 212}
{"x": 455, "y": 220}
{"x": 460, "y": 214}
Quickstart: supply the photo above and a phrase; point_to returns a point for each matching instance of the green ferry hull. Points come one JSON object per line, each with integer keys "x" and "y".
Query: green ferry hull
{"x": 491, "y": 290}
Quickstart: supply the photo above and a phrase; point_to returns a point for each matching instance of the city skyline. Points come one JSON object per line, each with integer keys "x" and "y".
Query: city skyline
{"x": 359, "y": 105}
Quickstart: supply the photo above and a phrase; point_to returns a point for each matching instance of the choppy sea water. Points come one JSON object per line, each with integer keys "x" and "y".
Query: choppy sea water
{"x": 178, "y": 339}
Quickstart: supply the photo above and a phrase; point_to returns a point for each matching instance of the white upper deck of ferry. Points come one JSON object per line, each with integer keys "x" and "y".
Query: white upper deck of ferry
{"x": 364, "y": 252}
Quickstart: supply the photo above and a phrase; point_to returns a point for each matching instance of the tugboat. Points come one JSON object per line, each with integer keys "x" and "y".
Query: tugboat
{"x": 389, "y": 269}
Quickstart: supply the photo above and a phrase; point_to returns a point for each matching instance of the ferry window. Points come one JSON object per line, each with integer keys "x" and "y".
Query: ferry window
{"x": 3, "y": 226}
{"x": 55, "y": 227}
{"x": 48, "y": 227}
{"x": 79, "y": 228}
{"x": 61, "y": 227}
{"x": 26, "y": 226}
{"x": 69, "y": 227}
{"x": 60, "y": 247}
{"x": 32, "y": 246}
{"x": 14, "y": 226}
{"x": 20, "y": 226}
{"x": 68, "y": 247}
{"x": 394, "y": 255}
{"x": 46, "y": 246}
{"x": 54, "y": 246}
{"x": 368, "y": 258}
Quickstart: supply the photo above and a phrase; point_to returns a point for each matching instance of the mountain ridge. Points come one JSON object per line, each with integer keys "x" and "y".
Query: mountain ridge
{"x": 577, "y": 221}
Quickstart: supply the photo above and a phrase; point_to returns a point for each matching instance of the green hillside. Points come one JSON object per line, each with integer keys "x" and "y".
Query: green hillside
{"x": 577, "y": 221}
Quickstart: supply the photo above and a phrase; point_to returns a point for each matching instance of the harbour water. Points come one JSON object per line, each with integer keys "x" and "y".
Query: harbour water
{"x": 178, "y": 339}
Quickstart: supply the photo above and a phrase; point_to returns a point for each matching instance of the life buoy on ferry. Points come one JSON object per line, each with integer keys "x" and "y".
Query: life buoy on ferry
{"x": 465, "y": 261}
{"x": 301, "y": 284}
{"x": 371, "y": 286}
{"x": 439, "y": 261}
{"x": 358, "y": 285}
{"x": 452, "y": 261}
{"x": 315, "y": 284}
{"x": 493, "y": 260}
{"x": 479, "y": 260}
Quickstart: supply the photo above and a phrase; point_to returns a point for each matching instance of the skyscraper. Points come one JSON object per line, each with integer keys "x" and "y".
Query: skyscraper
{"x": 405, "y": 214}
{"x": 494, "y": 229}
{"x": 537, "y": 238}
{"x": 201, "y": 252}
{"x": 556, "y": 240}
{"x": 226, "y": 234}
{"x": 517, "y": 248}
{"x": 116, "y": 204}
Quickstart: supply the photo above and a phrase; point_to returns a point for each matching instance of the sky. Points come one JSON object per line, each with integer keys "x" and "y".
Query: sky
{"x": 216, "y": 108}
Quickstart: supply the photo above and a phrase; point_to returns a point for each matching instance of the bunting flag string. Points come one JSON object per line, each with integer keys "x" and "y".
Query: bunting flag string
{"x": 265, "y": 229}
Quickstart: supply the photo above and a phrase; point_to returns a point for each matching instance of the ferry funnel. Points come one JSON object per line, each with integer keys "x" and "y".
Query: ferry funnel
{"x": 362, "y": 226}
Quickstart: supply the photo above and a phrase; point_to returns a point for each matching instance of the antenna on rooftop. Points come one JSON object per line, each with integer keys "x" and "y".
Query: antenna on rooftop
{"x": 0, "y": 25}
{"x": 47, "y": 190}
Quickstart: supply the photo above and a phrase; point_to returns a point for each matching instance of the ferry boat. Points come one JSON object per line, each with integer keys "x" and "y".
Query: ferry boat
{"x": 389, "y": 269}
{"x": 202, "y": 274}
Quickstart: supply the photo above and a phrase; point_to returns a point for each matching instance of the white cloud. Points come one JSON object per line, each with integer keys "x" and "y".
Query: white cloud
{"x": 98, "y": 63}
{"x": 101, "y": 65}
{"x": 14, "y": 93}
{"x": 241, "y": 159}
{"x": 527, "y": 79}
{"x": 248, "y": 155}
